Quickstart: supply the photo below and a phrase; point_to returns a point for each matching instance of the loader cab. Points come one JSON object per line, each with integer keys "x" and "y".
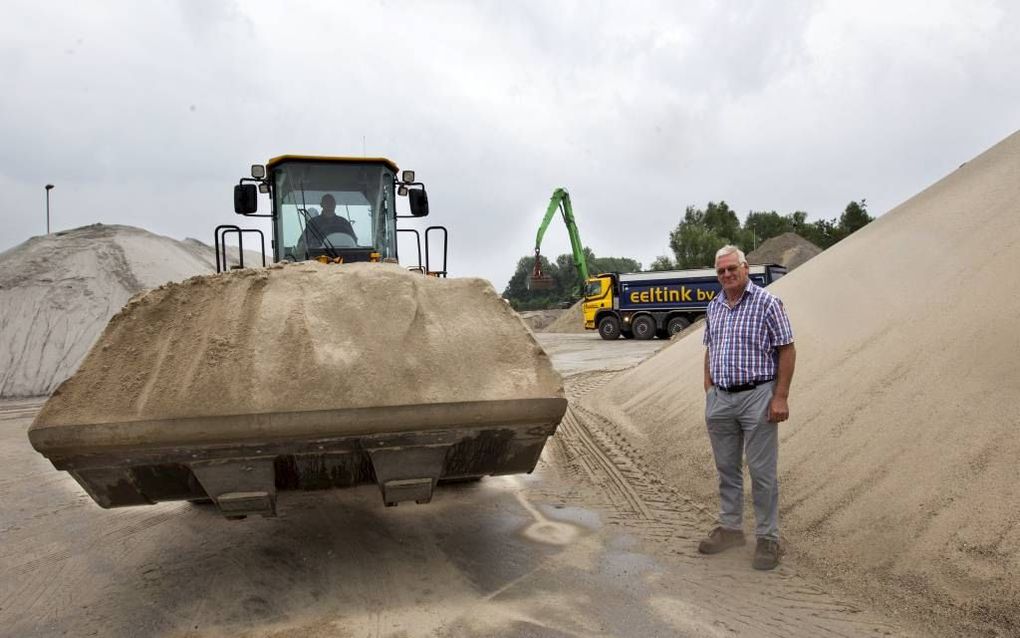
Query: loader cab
{"x": 337, "y": 209}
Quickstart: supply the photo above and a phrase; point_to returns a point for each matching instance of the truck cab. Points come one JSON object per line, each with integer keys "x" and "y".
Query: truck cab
{"x": 333, "y": 209}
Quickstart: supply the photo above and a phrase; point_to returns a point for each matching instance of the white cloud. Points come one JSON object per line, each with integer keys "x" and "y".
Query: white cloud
{"x": 147, "y": 114}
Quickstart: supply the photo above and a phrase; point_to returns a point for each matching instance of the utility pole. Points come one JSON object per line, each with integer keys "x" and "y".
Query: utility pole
{"x": 49, "y": 187}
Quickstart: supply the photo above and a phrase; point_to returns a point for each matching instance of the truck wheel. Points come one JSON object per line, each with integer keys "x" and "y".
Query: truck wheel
{"x": 609, "y": 327}
{"x": 675, "y": 325}
{"x": 643, "y": 327}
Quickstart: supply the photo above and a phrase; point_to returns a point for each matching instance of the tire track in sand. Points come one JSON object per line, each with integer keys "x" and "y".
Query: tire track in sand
{"x": 777, "y": 603}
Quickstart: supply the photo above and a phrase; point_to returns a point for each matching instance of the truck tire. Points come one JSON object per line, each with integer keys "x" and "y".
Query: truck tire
{"x": 675, "y": 325}
{"x": 643, "y": 327}
{"x": 609, "y": 327}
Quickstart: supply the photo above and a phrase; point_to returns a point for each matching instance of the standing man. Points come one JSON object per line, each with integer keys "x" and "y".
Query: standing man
{"x": 748, "y": 368}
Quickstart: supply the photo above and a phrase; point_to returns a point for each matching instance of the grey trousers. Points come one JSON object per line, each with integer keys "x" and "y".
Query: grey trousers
{"x": 738, "y": 424}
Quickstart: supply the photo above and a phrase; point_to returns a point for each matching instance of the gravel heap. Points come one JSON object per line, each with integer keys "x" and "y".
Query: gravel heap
{"x": 570, "y": 320}
{"x": 789, "y": 249}
{"x": 58, "y": 291}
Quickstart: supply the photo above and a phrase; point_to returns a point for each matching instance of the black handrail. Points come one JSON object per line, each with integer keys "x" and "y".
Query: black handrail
{"x": 428, "y": 268}
{"x": 220, "y": 239}
{"x": 417, "y": 241}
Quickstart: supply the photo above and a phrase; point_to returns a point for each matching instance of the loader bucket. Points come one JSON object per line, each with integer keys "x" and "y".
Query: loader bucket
{"x": 242, "y": 461}
{"x": 239, "y": 386}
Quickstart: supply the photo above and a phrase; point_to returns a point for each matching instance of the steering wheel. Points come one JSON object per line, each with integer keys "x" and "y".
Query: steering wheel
{"x": 340, "y": 240}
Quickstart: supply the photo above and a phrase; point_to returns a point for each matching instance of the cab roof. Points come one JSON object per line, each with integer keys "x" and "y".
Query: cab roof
{"x": 328, "y": 159}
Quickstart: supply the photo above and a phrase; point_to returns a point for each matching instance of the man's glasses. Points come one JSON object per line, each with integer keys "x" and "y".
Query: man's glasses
{"x": 727, "y": 269}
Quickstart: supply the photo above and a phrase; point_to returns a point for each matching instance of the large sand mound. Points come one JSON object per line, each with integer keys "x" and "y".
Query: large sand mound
{"x": 539, "y": 320}
{"x": 304, "y": 337}
{"x": 58, "y": 291}
{"x": 789, "y": 249}
{"x": 899, "y": 463}
{"x": 571, "y": 320}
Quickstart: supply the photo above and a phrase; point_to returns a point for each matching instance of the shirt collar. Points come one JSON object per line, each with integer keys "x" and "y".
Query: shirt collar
{"x": 749, "y": 290}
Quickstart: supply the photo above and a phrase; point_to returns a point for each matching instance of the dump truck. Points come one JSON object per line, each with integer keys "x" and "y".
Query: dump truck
{"x": 334, "y": 366}
{"x": 644, "y": 305}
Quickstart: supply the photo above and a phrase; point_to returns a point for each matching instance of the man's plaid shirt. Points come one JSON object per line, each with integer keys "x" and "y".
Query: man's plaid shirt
{"x": 742, "y": 342}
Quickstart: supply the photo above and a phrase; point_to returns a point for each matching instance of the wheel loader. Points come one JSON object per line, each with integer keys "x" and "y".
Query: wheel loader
{"x": 333, "y": 367}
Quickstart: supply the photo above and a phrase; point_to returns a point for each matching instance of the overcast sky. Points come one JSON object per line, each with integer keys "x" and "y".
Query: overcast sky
{"x": 147, "y": 113}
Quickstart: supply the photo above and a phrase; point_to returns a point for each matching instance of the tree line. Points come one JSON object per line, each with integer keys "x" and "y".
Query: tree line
{"x": 568, "y": 286}
{"x": 694, "y": 241}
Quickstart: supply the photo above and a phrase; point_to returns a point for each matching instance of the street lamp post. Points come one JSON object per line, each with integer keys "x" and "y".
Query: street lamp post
{"x": 49, "y": 187}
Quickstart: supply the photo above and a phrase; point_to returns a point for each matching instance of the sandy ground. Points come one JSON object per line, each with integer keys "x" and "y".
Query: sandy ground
{"x": 898, "y": 464}
{"x": 591, "y": 544}
{"x": 586, "y": 352}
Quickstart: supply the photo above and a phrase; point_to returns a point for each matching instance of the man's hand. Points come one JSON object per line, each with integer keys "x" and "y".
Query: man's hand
{"x": 779, "y": 410}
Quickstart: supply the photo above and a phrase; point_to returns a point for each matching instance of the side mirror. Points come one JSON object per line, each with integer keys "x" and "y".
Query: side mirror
{"x": 419, "y": 202}
{"x": 245, "y": 199}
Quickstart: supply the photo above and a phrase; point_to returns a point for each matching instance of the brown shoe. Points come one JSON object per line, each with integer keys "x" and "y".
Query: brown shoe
{"x": 766, "y": 554}
{"x": 721, "y": 539}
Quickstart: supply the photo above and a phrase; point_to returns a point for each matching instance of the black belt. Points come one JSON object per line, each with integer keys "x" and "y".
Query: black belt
{"x": 744, "y": 387}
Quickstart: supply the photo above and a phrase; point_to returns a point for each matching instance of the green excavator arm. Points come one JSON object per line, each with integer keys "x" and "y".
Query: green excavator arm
{"x": 560, "y": 201}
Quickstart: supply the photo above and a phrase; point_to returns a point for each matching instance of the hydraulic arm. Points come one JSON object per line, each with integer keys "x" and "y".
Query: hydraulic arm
{"x": 560, "y": 201}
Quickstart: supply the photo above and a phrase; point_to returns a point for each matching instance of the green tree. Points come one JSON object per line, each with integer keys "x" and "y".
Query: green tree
{"x": 613, "y": 264}
{"x": 701, "y": 233}
{"x": 854, "y": 217}
{"x": 568, "y": 285}
{"x": 722, "y": 221}
{"x": 523, "y": 298}
{"x": 694, "y": 245}
{"x": 662, "y": 262}
{"x": 762, "y": 225}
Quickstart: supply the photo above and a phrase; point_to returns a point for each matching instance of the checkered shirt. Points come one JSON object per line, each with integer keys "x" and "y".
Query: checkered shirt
{"x": 742, "y": 341}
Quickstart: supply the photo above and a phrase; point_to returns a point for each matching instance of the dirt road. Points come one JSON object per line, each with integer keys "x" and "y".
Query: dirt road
{"x": 589, "y": 545}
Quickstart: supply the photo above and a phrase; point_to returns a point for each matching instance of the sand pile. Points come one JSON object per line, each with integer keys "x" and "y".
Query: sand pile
{"x": 58, "y": 291}
{"x": 789, "y": 249}
{"x": 304, "y": 337}
{"x": 899, "y": 463}
{"x": 539, "y": 320}
{"x": 571, "y": 320}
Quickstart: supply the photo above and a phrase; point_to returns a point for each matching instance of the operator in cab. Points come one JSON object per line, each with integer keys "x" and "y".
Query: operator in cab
{"x": 324, "y": 229}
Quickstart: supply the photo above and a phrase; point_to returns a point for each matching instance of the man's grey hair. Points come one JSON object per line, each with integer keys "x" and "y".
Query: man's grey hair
{"x": 729, "y": 249}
